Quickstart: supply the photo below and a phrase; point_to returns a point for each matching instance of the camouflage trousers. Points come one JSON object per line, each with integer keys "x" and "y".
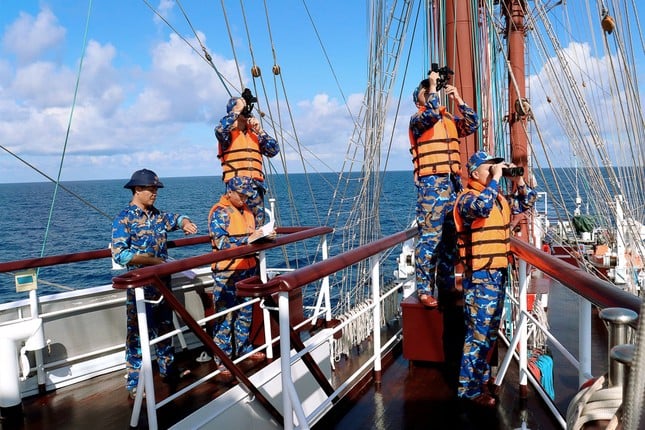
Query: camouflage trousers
{"x": 159, "y": 319}
{"x": 483, "y": 304}
{"x": 256, "y": 203}
{"x": 436, "y": 247}
{"x": 231, "y": 331}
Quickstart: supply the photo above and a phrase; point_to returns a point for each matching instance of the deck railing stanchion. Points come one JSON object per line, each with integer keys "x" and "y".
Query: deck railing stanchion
{"x": 522, "y": 329}
{"x": 285, "y": 358}
{"x": 40, "y": 363}
{"x": 323, "y": 295}
{"x": 266, "y": 316}
{"x": 325, "y": 280}
{"x": 145, "y": 371}
{"x": 584, "y": 339}
{"x": 376, "y": 316}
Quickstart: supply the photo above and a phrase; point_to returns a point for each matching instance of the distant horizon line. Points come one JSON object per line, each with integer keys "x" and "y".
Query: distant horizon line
{"x": 278, "y": 174}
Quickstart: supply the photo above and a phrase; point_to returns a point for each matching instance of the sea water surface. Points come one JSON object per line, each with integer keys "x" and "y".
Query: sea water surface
{"x": 80, "y": 219}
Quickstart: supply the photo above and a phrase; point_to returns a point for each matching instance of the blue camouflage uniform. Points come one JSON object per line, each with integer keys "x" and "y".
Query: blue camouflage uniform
{"x": 135, "y": 231}
{"x": 436, "y": 249}
{"x": 268, "y": 147}
{"x": 234, "y": 327}
{"x": 484, "y": 293}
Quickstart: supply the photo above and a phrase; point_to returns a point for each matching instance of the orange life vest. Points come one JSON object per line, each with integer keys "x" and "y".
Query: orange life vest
{"x": 436, "y": 151}
{"x": 243, "y": 157}
{"x": 241, "y": 224}
{"x": 486, "y": 244}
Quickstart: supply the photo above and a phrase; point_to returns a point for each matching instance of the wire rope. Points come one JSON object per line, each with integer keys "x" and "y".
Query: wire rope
{"x": 67, "y": 131}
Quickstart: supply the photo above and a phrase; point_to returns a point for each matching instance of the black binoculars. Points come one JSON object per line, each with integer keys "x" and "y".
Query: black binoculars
{"x": 512, "y": 172}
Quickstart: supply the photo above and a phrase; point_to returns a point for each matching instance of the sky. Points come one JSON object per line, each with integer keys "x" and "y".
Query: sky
{"x": 143, "y": 97}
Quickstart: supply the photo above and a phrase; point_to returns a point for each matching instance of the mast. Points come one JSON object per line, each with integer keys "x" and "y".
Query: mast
{"x": 518, "y": 118}
{"x": 514, "y": 11}
{"x": 460, "y": 58}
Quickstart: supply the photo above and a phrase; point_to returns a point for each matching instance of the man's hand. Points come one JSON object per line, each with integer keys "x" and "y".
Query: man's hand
{"x": 496, "y": 170}
{"x": 255, "y": 125}
{"x": 432, "y": 79}
{"x": 452, "y": 93}
{"x": 188, "y": 226}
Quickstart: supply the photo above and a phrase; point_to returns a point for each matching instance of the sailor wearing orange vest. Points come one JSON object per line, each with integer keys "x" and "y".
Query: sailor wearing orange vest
{"x": 482, "y": 217}
{"x": 434, "y": 134}
{"x": 242, "y": 143}
{"x": 231, "y": 224}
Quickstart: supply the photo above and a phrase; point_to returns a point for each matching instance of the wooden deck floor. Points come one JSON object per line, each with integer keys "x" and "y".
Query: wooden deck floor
{"x": 411, "y": 396}
{"x": 421, "y": 396}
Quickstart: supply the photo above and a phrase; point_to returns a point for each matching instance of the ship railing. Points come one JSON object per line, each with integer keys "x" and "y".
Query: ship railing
{"x": 154, "y": 275}
{"x": 260, "y": 287}
{"x": 57, "y": 307}
{"x": 591, "y": 291}
{"x": 282, "y": 286}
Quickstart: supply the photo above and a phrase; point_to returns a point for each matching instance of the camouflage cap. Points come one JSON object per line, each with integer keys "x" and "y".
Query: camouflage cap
{"x": 242, "y": 185}
{"x": 479, "y": 158}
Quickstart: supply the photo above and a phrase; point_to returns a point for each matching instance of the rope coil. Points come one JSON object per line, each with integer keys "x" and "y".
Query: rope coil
{"x": 593, "y": 403}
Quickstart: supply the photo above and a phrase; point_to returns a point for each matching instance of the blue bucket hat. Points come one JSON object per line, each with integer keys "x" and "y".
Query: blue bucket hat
{"x": 479, "y": 158}
{"x": 241, "y": 185}
{"x": 144, "y": 178}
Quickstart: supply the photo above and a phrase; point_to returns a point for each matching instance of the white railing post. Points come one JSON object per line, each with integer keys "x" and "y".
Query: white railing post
{"x": 40, "y": 367}
{"x": 145, "y": 372}
{"x": 584, "y": 339}
{"x": 266, "y": 316}
{"x": 523, "y": 359}
{"x": 376, "y": 313}
{"x": 325, "y": 280}
{"x": 323, "y": 295}
{"x": 290, "y": 402}
{"x": 285, "y": 359}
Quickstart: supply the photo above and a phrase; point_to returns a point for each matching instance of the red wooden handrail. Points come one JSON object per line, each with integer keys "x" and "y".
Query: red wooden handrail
{"x": 146, "y": 275}
{"x": 253, "y": 287}
{"x": 601, "y": 293}
{"x": 53, "y": 260}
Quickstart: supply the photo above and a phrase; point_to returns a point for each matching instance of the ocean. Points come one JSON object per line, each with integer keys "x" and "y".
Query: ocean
{"x": 80, "y": 219}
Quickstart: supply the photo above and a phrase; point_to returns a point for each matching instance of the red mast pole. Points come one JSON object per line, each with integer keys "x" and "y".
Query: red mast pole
{"x": 518, "y": 106}
{"x": 517, "y": 118}
{"x": 460, "y": 58}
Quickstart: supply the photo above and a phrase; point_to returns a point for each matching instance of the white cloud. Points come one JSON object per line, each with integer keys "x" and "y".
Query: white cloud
{"x": 28, "y": 38}
{"x": 159, "y": 113}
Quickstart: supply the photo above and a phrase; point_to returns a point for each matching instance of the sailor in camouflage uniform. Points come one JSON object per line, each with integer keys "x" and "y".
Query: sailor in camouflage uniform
{"x": 241, "y": 144}
{"x": 434, "y": 134}
{"x": 138, "y": 240}
{"x": 231, "y": 224}
{"x": 483, "y": 218}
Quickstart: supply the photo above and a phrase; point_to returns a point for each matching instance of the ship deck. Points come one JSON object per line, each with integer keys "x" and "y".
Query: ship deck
{"x": 412, "y": 395}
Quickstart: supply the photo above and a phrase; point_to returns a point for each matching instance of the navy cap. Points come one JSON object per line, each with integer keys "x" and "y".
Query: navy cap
{"x": 144, "y": 178}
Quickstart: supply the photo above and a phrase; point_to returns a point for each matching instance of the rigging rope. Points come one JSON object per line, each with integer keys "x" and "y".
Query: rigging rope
{"x": 63, "y": 187}
{"x": 69, "y": 126}
{"x": 204, "y": 54}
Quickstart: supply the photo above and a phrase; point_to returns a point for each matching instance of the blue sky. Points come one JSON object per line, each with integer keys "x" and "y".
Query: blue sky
{"x": 146, "y": 99}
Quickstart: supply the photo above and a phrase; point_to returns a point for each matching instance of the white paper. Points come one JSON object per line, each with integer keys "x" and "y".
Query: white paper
{"x": 266, "y": 230}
